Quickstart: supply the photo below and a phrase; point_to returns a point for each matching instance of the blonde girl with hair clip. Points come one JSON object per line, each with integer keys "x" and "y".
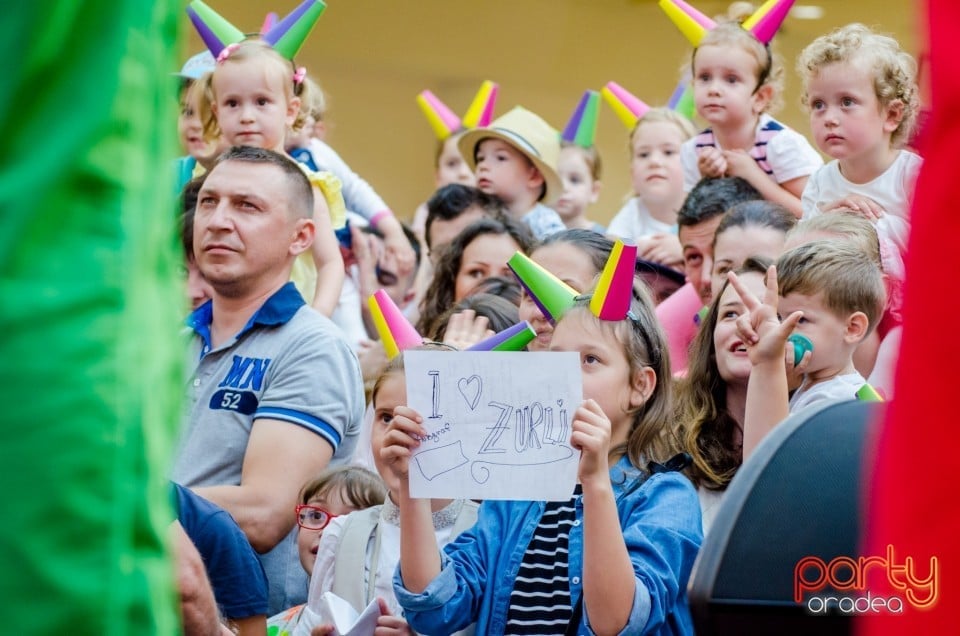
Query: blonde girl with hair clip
{"x": 649, "y": 218}
{"x": 736, "y": 81}
{"x": 627, "y": 537}
{"x": 252, "y": 97}
{"x": 861, "y": 91}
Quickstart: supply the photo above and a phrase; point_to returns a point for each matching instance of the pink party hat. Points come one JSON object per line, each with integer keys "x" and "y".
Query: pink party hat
{"x": 268, "y": 22}
{"x": 442, "y": 120}
{"x": 287, "y": 36}
{"x": 215, "y": 31}
{"x": 582, "y": 127}
{"x": 612, "y": 294}
{"x": 628, "y": 107}
{"x": 480, "y": 112}
{"x": 396, "y": 332}
{"x": 693, "y": 24}
{"x": 513, "y": 338}
{"x": 765, "y": 22}
{"x": 553, "y": 296}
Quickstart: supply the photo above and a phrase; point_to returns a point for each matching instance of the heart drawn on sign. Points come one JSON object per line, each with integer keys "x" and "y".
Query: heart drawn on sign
{"x": 470, "y": 390}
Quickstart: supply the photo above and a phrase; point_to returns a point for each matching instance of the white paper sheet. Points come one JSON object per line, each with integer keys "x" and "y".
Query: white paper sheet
{"x": 333, "y": 610}
{"x": 498, "y": 424}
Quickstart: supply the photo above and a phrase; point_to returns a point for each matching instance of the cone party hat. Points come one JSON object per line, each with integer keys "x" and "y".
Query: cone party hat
{"x": 553, "y": 296}
{"x": 614, "y": 290}
{"x": 513, "y": 338}
{"x": 287, "y": 36}
{"x": 582, "y": 127}
{"x": 628, "y": 107}
{"x": 215, "y": 31}
{"x": 396, "y": 332}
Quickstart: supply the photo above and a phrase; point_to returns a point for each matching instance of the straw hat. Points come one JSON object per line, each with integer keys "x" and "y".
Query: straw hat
{"x": 530, "y": 135}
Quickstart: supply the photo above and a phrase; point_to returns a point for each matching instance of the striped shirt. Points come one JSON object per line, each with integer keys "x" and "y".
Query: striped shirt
{"x": 765, "y": 133}
{"x": 540, "y": 602}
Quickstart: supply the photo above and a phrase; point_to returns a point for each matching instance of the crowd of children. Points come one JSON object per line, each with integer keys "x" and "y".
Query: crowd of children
{"x": 765, "y": 281}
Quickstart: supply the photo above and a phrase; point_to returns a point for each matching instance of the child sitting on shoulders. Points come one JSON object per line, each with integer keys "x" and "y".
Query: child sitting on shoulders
{"x": 650, "y": 218}
{"x": 736, "y": 80}
{"x": 830, "y": 293}
{"x": 861, "y": 90}
{"x": 516, "y": 159}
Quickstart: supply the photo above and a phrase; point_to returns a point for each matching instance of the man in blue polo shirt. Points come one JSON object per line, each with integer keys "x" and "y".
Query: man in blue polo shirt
{"x": 276, "y": 394}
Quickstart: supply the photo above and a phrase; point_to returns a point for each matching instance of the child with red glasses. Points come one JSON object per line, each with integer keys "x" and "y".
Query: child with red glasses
{"x": 336, "y": 492}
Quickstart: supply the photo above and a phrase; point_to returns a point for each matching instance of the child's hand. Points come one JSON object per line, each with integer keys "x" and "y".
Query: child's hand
{"x": 661, "y": 248}
{"x": 402, "y": 437}
{"x": 711, "y": 162}
{"x": 365, "y": 253}
{"x": 591, "y": 436}
{"x": 760, "y": 329}
{"x": 323, "y": 630}
{"x": 397, "y": 245}
{"x": 855, "y": 204}
{"x": 390, "y": 625}
{"x": 465, "y": 329}
{"x": 741, "y": 164}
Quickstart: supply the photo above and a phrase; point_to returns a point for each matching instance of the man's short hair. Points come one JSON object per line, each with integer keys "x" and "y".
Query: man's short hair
{"x": 300, "y": 191}
{"x": 848, "y": 279}
{"x": 452, "y": 200}
{"x": 712, "y": 197}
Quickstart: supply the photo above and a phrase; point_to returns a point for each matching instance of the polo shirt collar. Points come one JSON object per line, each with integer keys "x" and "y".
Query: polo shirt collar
{"x": 277, "y": 310}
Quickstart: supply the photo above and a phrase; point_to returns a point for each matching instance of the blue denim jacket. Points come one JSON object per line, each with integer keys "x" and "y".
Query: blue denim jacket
{"x": 661, "y": 528}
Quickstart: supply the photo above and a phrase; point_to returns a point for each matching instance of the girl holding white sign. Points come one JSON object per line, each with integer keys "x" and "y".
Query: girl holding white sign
{"x": 359, "y": 552}
{"x": 630, "y": 530}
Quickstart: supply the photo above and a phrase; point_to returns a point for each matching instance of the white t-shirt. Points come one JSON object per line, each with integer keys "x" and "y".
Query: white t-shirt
{"x": 781, "y": 152}
{"x": 892, "y": 190}
{"x": 634, "y": 221}
{"x": 838, "y": 389}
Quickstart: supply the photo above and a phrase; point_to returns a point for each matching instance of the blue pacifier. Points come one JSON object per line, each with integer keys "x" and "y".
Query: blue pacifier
{"x": 801, "y": 344}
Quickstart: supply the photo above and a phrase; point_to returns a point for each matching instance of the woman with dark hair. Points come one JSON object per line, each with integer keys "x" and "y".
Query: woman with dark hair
{"x": 711, "y": 399}
{"x": 479, "y": 252}
{"x": 752, "y": 228}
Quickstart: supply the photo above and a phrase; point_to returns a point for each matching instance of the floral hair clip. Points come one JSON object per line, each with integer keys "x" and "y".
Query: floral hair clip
{"x": 226, "y": 52}
{"x": 299, "y": 75}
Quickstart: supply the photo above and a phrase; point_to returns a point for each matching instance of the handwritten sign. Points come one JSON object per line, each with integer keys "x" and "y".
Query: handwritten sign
{"x": 498, "y": 424}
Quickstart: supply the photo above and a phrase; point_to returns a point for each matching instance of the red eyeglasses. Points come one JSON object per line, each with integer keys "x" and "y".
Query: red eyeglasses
{"x": 313, "y": 517}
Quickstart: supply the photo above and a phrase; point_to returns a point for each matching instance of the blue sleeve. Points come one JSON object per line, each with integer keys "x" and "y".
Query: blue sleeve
{"x": 460, "y": 593}
{"x": 662, "y": 531}
{"x": 236, "y": 576}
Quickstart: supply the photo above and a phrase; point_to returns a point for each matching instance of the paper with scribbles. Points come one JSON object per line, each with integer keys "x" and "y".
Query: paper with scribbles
{"x": 498, "y": 424}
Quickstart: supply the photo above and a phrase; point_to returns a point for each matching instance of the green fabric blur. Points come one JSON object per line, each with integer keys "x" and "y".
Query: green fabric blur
{"x": 91, "y": 300}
